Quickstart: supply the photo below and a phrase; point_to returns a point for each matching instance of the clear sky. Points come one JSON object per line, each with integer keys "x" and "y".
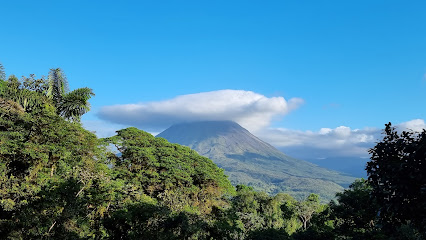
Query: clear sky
{"x": 346, "y": 65}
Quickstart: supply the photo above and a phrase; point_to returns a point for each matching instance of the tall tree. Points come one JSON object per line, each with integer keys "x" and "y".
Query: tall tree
{"x": 53, "y": 183}
{"x": 356, "y": 211}
{"x": 307, "y": 209}
{"x": 175, "y": 175}
{"x": 2, "y": 73}
{"x": 58, "y": 85}
{"x": 70, "y": 105}
{"x": 396, "y": 173}
{"x": 76, "y": 103}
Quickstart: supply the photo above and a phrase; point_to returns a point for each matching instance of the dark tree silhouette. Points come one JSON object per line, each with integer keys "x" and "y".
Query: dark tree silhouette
{"x": 397, "y": 174}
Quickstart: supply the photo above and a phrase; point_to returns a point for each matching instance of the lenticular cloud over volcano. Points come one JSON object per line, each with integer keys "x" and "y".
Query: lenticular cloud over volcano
{"x": 251, "y": 110}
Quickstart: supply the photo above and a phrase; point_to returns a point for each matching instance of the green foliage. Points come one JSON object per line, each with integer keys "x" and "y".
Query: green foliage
{"x": 34, "y": 94}
{"x": 33, "y": 84}
{"x": 59, "y": 181}
{"x": 71, "y": 105}
{"x": 57, "y": 85}
{"x": 48, "y": 174}
{"x": 52, "y": 176}
{"x": 396, "y": 174}
{"x": 147, "y": 220}
{"x": 306, "y": 209}
{"x": 269, "y": 234}
{"x": 174, "y": 174}
{"x": 255, "y": 213}
{"x": 320, "y": 226}
{"x": 2, "y": 73}
{"x": 75, "y": 103}
{"x": 356, "y": 211}
{"x": 28, "y": 93}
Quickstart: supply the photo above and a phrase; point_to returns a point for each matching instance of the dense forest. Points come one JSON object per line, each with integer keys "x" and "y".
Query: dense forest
{"x": 59, "y": 181}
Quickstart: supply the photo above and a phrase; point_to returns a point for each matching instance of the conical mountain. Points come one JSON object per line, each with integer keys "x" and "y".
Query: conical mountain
{"x": 251, "y": 161}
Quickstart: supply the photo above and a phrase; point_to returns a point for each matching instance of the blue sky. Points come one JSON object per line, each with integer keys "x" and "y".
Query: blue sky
{"x": 353, "y": 64}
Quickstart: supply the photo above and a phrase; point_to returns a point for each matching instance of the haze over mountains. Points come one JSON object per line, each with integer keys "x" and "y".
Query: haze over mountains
{"x": 352, "y": 166}
{"x": 251, "y": 161}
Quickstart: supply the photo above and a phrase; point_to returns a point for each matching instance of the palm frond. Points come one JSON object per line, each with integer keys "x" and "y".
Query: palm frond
{"x": 57, "y": 85}
{"x": 31, "y": 100}
{"x": 2, "y": 73}
{"x": 76, "y": 103}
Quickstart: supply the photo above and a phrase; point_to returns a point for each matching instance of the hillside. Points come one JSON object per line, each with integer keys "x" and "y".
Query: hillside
{"x": 251, "y": 161}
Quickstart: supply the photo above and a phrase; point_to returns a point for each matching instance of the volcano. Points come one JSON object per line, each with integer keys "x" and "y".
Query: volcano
{"x": 248, "y": 160}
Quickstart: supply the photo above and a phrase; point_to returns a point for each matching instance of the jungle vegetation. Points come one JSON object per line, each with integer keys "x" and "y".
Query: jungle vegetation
{"x": 59, "y": 181}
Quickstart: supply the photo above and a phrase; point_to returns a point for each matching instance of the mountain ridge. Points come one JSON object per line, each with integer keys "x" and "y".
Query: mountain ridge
{"x": 249, "y": 160}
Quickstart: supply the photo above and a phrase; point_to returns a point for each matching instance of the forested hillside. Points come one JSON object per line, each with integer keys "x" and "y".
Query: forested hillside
{"x": 250, "y": 161}
{"x": 59, "y": 181}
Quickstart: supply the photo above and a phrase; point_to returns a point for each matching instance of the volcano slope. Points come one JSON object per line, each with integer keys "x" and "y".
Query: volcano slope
{"x": 248, "y": 160}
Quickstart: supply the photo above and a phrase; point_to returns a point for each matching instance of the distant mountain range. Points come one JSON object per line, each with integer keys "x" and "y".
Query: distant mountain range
{"x": 251, "y": 161}
{"x": 352, "y": 166}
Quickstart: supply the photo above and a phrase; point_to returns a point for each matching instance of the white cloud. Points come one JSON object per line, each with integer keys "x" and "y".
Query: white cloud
{"x": 254, "y": 112}
{"x": 341, "y": 141}
{"x": 416, "y": 125}
{"x": 251, "y": 110}
{"x": 327, "y": 142}
{"x": 342, "y": 132}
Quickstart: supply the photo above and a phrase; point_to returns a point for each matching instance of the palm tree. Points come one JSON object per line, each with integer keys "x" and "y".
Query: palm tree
{"x": 70, "y": 105}
{"x": 75, "y": 103}
{"x": 57, "y": 86}
{"x": 2, "y": 73}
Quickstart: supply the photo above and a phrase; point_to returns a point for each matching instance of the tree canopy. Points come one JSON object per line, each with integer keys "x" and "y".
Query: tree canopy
{"x": 59, "y": 181}
{"x": 174, "y": 174}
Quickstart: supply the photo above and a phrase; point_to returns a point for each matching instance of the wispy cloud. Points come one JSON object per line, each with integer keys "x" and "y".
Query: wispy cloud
{"x": 331, "y": 142}
{"x": 326, "y": 142}
{"x": 251, "y": 110}
{"x": 101, "y": 128}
